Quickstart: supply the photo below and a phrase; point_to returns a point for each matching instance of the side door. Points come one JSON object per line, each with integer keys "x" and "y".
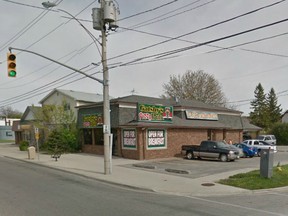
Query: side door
{"x": 210, "y": 150}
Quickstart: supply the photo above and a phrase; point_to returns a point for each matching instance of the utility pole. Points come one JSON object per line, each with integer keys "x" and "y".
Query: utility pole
{"x": 105, "y": 19}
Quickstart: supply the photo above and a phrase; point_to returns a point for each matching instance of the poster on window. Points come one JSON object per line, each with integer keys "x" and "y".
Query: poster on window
{"x": 129, "y": 138}
{"x": 156, "y": 139}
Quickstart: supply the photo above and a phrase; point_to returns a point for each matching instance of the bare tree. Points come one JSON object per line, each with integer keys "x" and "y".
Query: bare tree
{"x": 9, "y": 112}
{"x": 195, "y": 85}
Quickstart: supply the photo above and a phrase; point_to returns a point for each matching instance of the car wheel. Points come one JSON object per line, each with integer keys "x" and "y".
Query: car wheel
{"x": 223, "y": 158}
{"x": 259, "y": 153}
{"x": 189, "y": 155}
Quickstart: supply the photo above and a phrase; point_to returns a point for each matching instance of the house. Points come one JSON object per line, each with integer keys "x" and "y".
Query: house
{"x": 285, "y": 117}
{"x": 148, "y": 128}
{"x": 6, "y": 132}
{"x": 25, "y": 128}
{"x": 70, "y": 99}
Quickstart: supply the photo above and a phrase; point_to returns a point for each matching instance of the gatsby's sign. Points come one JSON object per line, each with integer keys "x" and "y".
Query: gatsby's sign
{"x": 92, "y": 120}
{"x": 194, "y": 114}
{"x": 154, "y": 113}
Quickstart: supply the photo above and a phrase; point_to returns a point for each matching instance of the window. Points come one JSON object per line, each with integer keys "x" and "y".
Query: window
{"x": 129, "y": 138}
{"x": 99, "y": 137}
{"x": 87, "y": 134}
{"x": 156, "y": 139}
{"x": 9, "y": 133}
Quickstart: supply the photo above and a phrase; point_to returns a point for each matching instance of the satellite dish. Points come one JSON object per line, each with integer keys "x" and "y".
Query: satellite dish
{"x": 48, "y": 4}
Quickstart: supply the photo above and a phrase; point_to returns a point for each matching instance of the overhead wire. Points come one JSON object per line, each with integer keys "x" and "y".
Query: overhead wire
{"x": 201, "y": 43}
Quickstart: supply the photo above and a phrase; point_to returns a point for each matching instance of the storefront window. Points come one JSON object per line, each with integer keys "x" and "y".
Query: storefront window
{"x": 87, "y": 134}
{"x": 99, "y": 137}
{"x": 129, "y": 139}
{"x": 156, "y": 138}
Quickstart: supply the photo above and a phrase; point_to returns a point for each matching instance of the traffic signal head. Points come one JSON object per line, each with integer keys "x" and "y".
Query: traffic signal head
{"x": 11, "y": 64}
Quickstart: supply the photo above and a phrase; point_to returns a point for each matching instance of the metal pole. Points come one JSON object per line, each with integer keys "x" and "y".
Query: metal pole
{"x": 106, "y": 102}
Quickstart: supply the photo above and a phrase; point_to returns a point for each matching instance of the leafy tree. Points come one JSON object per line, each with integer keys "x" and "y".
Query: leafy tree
{"x": 59, "y": 126}
{"x": 259, "y": 114}
{"x": 280, "y": 130}
{"x": 274, "y": 110}
{"x": 195, "y": 85}
{"x": 9, "y": 112}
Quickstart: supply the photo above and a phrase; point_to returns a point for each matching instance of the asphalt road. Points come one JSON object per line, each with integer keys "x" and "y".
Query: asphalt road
{"x": 199, "y": 168}
{"x": 32, "y": 190}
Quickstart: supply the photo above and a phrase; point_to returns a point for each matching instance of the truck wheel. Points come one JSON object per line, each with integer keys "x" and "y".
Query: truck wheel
{"x": 189, "y": 155}
{"x": 223, "y": 158}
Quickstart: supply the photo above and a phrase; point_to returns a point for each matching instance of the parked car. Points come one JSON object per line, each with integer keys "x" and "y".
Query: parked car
{"x": 248, "y": 151}
{"x": 210, "y": 149}
{"x": 267, "y": 138}
{"x": 260, "y": 145}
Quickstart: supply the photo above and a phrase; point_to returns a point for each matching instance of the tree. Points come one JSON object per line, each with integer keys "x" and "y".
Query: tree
{"x": 266, "y": 112}
{"x": 9, "y": 112}
{"x": 259, "y": 114}
{"x": 195, "y": 85}
{"x": 59, "y": 126}
{"x": 274, "y": 110}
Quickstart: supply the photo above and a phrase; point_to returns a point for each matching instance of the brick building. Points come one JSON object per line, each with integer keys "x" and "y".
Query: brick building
{"x": 147, "y": 128}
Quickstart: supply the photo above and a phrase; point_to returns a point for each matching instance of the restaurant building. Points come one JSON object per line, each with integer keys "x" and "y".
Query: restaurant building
{"x": 147, "y": 128}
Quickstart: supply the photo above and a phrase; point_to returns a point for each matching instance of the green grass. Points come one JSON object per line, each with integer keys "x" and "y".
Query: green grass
{"x": 253, "y": 181}
{"x": 7, "y": 141}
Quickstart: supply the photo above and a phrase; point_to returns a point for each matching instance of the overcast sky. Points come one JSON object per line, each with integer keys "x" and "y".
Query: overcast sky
{"x": 257, "y": 56}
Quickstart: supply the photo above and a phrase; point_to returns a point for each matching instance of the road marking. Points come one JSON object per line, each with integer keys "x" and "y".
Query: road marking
{"x": 234, "y": 205}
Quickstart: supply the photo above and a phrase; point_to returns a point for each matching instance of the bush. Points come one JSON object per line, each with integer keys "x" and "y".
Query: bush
{"x": 23, "y": 146}
{"x": 280, "y": 130}
{"x": 61, "y": 141}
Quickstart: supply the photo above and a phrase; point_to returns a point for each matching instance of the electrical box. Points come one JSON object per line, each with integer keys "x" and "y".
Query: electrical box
{"x": 266, "y": 163}
{"x": 97, "y": 17}
{"x": 109, "y": 11}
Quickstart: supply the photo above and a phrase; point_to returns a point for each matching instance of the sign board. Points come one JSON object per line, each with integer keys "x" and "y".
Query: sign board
{"x": 155, "y": 113}
{"x": 201, "y": 115}
{"x": 92, "y": 120}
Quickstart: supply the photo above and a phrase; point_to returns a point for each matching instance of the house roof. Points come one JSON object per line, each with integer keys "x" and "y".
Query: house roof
{"x": 29, "y": 109}
{"x": 181, "y": 103}
{"x": 76, "y": 95}
{"x": 247, "y": 126}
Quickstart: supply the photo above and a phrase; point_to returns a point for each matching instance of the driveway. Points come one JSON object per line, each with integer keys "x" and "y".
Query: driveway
{"x": 200, "y": 168}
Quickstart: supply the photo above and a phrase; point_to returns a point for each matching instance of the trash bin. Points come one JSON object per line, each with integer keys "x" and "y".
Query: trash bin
{"x": 266, "y": 163}
{"x": 31, "y": 152}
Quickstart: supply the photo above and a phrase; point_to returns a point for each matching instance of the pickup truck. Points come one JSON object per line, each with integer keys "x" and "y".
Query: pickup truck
{"x": 211, "y": 149}
{"x": 260, "y": 145}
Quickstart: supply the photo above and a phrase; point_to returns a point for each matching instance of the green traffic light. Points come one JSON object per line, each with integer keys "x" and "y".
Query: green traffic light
{"x": 12, "y": 73}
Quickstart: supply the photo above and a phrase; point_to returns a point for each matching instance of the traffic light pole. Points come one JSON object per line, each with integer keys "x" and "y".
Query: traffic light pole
{"x": 57, "y": 62}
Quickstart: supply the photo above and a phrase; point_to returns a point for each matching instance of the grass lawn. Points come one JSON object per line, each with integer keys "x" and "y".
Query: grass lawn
{"x": 253, "y": 181}
{"x": 7, "y": 141}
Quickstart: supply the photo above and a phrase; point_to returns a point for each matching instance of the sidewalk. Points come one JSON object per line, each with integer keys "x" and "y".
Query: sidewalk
{"x": 92, "y": 166}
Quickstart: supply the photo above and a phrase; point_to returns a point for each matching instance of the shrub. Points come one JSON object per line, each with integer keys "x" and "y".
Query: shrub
{"x": 280, "y": 130}
{"x": 23, "y": 146}
{"x": 61, "y": 141}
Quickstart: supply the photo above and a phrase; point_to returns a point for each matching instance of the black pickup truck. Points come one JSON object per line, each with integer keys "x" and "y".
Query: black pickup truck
{"x": 211, "y": 149}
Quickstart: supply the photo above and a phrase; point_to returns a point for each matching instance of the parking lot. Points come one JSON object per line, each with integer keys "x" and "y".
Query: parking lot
{"x": 199, "y": 168}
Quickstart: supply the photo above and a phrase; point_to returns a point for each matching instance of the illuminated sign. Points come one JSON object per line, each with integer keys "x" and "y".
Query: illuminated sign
{"x": 92, "y": 120}
{"x": 193, "y": 114}
{"x": 155, "y": 113}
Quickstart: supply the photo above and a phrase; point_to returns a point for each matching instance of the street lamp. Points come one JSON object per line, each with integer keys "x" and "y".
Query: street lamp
{"x": 104, "y": 19}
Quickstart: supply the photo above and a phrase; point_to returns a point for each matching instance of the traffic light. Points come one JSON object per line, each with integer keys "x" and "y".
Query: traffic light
{"x": 11, "y": 63}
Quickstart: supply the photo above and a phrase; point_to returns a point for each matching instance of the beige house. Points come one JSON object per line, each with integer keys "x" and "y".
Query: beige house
{"x": 70, "y": 99}
{"x": 25, "y": 130}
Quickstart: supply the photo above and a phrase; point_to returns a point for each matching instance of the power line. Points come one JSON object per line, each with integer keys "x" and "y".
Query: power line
{"x": 149, "y": 10}
{"x": 198, "y": 30}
